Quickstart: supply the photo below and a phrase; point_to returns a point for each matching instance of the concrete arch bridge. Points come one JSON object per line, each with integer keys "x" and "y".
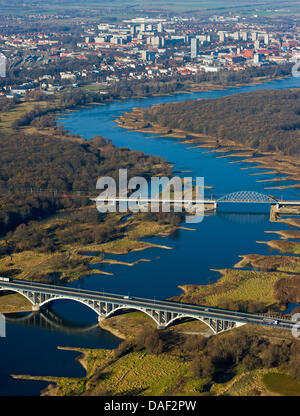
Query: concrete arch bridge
{"x": 164, "y": 313}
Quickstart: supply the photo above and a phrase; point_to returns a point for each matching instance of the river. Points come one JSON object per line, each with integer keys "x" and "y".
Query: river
{"x": 30, "y": 348}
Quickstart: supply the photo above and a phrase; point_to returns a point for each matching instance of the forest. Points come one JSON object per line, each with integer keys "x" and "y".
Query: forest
{"x": 40, "y": 175}
{"x": 212, "y": 357}
{"x": 266, "y": 120}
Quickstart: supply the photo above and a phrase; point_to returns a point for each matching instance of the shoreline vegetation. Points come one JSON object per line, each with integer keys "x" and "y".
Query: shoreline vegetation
{"x": 205, "y": 86}
{"x": 174, "y": 360}
{"x": 277, "y": 164}
{"x": 36, "y": 106}
{"x": 45, "y": 234}
{"x": 14, "y": 303}
{"x": 71, "y": 261}
{"x": 174, "y": 367}
{"x": 159, "y": 120}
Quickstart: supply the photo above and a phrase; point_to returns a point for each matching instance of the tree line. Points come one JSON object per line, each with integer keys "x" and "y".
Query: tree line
{"x": 30, "y": 163}
{"x": 266, "y": 120}
{"x": 214, "y": 357}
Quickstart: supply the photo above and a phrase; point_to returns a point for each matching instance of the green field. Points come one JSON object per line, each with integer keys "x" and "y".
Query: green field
{"x": 122, "y": 8}
{"x": 282, "y": 384}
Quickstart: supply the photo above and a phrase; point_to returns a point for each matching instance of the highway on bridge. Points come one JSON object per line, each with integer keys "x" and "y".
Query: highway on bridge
{"x": 136, "y": 302}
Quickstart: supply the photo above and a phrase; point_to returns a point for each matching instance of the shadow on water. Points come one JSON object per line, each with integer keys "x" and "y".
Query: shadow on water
{"x": 48, "y": 319}
{"x": 30, "y": 346}
{"x": 244, "y": 217}
{"x": 223, "y": 377}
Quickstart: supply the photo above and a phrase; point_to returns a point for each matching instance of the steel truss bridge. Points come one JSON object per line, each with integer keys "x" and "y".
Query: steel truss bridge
{"x": 164, "y": 313}
{"x": 248, "y": 197}
{"x": 245, "y": 197}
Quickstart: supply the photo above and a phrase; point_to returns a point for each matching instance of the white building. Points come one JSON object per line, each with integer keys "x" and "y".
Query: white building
{"x": 3, "y": 62}
{"x": 67, "y": 75}
{"x": 221, "y": 36}
{"x": 256, "y": 58}
{"x": 194, "y": 47}
{"x": 256, "y": 44}
{"x": 244, "y": 35}
{"x": 266, "y": 39}
{"x": 253, "y": 36}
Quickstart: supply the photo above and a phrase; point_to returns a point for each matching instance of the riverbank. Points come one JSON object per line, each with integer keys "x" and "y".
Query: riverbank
{"x": 191, "y": 86}
{"x": 277, "y": 163}
{"x": 14, "y": 303}
{"x": 173, "y": 372}
{"x": 206, "y": 86}
{"x": 235, "y": 289}
{"x": 8, "y": 118}
{"x": 72, "y": 261}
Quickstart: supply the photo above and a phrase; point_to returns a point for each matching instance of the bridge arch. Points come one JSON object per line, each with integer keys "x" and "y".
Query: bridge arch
{"x": 131, "y": 307}
{"x": 106, "y": 307}
{"x": 17, "y": 291}
{"x": 68, "y": 298}
{"x": 193, "y": 317}
{"x": 247, "y": 196}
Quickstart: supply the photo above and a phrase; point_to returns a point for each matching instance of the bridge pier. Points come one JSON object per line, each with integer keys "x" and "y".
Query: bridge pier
{"x": 101, "y": 318}
{"x": 36, "y": 308}
{"x": 273, "y": 213}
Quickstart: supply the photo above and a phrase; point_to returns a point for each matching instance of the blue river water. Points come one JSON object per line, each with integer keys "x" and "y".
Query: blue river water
{"x": 215, "y": 243}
